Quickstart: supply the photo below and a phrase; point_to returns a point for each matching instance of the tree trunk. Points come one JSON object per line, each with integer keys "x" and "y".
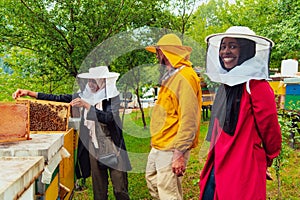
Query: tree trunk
{"x": 141, "y": 107}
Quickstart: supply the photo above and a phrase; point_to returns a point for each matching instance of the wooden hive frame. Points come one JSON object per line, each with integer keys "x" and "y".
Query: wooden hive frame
{"x": 58, "y": 110}
{"x": 14, "y": 122}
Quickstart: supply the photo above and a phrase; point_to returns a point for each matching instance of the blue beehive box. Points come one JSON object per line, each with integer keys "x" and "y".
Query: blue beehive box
{"x": 292, "y": 98}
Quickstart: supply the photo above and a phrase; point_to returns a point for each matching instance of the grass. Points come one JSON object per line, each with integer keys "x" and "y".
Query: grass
{"x": 137, "y": 140}
{"x": 290, "y": 179}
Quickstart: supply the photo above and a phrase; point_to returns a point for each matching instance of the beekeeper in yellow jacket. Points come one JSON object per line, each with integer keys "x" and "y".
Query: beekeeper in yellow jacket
{"x": 175, "y": 119}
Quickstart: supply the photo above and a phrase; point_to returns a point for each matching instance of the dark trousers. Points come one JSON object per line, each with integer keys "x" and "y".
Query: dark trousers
{"x": 100, "y": 181}
{"x": 82, "y": 166}
{"x": 209, "y": 190}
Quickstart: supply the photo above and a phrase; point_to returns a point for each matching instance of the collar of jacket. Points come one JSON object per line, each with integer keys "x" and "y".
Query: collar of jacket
{"x": 170, "y": 73}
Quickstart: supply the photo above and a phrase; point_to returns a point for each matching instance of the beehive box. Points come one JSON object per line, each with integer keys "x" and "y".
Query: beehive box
{"x": 47, "y": 115}
{"x": 14, "y": 122}
{"x": 18, "y": 176}
{"x": 292, "y": 99}
{"x": 278, "y": 87}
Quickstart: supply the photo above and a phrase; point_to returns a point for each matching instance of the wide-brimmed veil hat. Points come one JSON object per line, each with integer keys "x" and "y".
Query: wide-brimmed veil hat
{"x": 168, "y": 42}
{"x": 173, "y": 49}
{"x": 256, "y": 67}
{"x": 240, "y": 32}
{"x": 98, "y": 72}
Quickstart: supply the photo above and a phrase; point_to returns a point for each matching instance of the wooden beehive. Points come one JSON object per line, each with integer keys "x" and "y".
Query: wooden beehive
{"x": 47, "y": 115}
{"x": 14, "y": 122}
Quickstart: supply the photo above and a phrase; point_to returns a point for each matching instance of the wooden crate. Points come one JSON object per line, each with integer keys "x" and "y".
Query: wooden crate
{"x": 47, "y": 115}
{"x": 14, "y": 122}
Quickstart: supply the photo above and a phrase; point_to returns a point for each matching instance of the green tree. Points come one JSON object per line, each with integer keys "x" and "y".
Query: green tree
{"x": 285, "y": 32}
{"x": 138, "y": 76}
{"x": 58, "y": 35}
{"x": 26, "y": 70}
{"x": 277, "y": 20}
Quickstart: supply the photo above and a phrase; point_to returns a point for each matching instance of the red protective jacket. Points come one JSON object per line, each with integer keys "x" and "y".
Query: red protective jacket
{"x": 240, "y": 161}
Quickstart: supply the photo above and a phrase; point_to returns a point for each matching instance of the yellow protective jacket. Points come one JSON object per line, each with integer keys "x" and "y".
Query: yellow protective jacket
{"x": 175, "y": 120}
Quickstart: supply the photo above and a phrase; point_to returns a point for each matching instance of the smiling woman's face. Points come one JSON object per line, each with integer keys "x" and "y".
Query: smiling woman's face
{"x": 229, "y": 52}
{"x": 93, "y": 85}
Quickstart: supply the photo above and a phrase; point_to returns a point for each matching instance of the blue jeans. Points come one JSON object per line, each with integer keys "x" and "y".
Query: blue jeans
{"x": 209, "y": 190}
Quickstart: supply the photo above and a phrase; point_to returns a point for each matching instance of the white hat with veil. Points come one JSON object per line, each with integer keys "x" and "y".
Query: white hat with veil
{"x": 98, "y": 74}
{"x": 256, "y": 67}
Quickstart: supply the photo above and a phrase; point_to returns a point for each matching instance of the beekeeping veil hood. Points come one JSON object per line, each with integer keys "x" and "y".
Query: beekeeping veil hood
{"x": 256, "y": 67}
{"x": 172, "y": 48}
{"x": 98, "y": 74}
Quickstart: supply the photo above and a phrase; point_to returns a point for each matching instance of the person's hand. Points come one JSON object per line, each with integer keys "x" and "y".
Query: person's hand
{"x": 78, "y": 102}
{"x": 178, "y": 163}
{"x": 269, "y": 175}
{"x": 20, "y": 93}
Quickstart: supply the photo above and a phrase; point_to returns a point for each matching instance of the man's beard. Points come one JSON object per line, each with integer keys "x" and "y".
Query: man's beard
{"x": 162, "y": 71}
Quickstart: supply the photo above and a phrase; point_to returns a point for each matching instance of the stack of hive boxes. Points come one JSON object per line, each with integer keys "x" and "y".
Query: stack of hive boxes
{"x": 42, "y": 130}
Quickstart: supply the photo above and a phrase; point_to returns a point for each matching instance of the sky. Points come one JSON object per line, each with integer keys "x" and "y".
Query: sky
{"x": 199, "y": 2}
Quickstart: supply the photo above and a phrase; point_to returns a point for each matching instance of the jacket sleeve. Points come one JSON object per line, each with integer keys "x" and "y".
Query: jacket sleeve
{"x": 67, "y": 98}
{"x": 109, "y": 113}
{"x": 105, "y": 117}
{"x": 265, "y": 113}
